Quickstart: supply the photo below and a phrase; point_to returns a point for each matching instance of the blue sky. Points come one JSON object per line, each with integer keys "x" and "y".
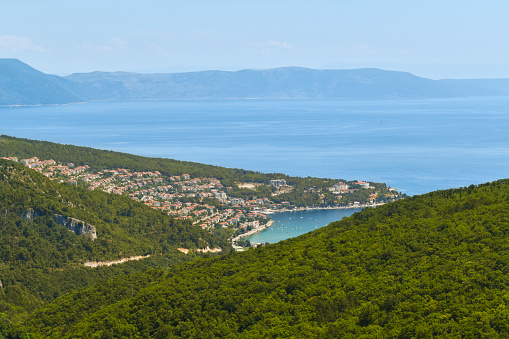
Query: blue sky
{"x": 435, "y": 39}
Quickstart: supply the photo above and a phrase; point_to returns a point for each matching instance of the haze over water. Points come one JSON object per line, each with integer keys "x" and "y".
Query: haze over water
{"x": 416, "y": 146}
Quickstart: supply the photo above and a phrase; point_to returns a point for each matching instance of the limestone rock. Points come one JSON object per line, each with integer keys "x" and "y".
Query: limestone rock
{"x": 31, "y": 214}
{"x": 77, "y": 226}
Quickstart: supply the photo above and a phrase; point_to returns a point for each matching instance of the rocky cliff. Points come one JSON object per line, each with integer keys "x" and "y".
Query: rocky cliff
{"x": 77, "y": 226}
{"x": 31, "y": 214}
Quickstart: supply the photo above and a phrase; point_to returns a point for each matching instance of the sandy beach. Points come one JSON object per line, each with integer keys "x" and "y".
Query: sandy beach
{"x": 254, "y": 231}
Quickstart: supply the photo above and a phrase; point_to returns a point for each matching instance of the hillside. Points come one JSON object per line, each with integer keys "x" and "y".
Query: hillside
{"x": 52, "y": 225}
{"x": 43, "y": 252}
{"x": 20, "y": 84}
{"x": 429, "y": 266}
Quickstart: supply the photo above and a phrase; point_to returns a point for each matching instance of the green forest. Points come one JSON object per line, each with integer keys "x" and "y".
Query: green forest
{"x": 427, "y": 266}
{"x": 41, "y": 260}
{"x": 434, "y": 265}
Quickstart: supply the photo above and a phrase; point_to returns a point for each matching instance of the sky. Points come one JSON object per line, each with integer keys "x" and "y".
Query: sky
{"x": 433, "y": 39}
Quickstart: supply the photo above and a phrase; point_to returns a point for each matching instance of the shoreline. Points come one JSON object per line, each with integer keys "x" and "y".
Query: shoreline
{"x": 253, "y": 231}
{"x": 308, "y": 208}
{"x": 299, "y": 209}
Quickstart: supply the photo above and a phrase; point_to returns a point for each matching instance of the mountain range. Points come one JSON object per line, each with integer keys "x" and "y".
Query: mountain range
{"x": 21, "y": 84}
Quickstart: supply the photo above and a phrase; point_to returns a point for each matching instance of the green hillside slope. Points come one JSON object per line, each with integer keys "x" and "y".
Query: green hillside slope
{"x": 41, "y": 259}
{"x": 435, "y": 265}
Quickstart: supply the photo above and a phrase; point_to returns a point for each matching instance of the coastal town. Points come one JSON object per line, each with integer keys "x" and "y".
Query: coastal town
{"x": 205, "y": 201}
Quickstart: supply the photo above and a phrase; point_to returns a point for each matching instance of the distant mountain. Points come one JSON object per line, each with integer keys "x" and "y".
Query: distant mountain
{"x": 279, "y": 83}
{"x": 21, "y": 84}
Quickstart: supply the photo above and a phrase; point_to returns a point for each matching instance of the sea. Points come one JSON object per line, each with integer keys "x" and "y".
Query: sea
{"x": 414, "y": 145}
{"x": 292, "y": 224}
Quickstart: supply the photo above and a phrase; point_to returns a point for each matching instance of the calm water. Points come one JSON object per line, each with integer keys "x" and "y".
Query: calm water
{"x": 292, "y": 224}
{"x": 414, "y": 145}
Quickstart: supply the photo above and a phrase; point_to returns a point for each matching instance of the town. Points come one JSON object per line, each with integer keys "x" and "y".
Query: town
{"x": 205, "y": 202}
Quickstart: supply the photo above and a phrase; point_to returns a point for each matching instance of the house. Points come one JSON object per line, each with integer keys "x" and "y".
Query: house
{"x": 10, "y": 158}
{"x": 340, "y": 186}
{"x": 362, "y": 184}
{"x": 220, "y": 195}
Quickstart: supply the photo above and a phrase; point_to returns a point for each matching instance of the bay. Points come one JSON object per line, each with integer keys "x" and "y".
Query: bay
{"x": 292, "y": 224}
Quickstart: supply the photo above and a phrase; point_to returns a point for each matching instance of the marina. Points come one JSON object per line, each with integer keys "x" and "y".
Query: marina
{"x": 292, "y": 224}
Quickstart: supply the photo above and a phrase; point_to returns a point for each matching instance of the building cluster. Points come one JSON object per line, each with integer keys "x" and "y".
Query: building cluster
{"x": 49, "y": 167}
{"x": 165, "y": 193}
{"x": 343, "y": 188}
{"x": 278, "y": 183}
{"x": 203, "y": 201}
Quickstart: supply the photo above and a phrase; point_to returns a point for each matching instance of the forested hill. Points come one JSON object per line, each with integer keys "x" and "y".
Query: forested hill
{"x": 40, "y": 258}
{"x": 99, "y": 160}
{"x": 429, "y": 266}
{"x": 20, "y": 84}
{"x": 102, "y": 159}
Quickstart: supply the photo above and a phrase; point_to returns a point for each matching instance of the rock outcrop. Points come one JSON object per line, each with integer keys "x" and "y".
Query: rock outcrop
{"x": 77, "y": 226}
{"x": 31, "y": 214}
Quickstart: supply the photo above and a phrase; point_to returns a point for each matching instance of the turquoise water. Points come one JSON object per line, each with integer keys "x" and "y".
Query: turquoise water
{"x": 416, "y": 146}
{"x": 292, "y": 224}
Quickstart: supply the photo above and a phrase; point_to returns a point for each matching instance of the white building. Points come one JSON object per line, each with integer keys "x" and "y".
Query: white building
{"x": 278, "y": 182}
{"x": 340, "y": 186}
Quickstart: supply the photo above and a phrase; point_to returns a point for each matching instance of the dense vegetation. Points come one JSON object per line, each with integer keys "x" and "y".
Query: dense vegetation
{"x": 124, "y": 227}
{"x": 41, "y": 260}
{"x": 435, "y": 265}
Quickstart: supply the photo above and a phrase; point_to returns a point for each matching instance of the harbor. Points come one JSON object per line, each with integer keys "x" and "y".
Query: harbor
{"x": 293, "y": 223}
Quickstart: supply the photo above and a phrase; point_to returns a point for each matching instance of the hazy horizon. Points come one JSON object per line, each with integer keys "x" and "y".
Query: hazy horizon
{"x": 436, "y": 40}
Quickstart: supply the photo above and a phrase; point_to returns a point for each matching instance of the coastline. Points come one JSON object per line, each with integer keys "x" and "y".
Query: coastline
{"x": 308, "y": 208}
{"x": 298, "y": 209}
{"x": 254, "y": 231}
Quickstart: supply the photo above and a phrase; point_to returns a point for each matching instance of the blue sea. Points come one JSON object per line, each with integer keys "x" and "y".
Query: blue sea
{"x": 416, "y": 146}
{"x": 291, "y": 224}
